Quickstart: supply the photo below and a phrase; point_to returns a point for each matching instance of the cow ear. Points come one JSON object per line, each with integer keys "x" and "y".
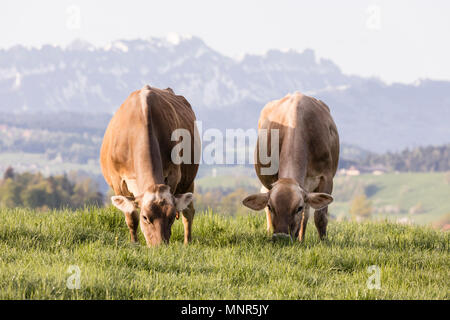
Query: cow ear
{"x": 256, "y": 201}
{"x": 318, "y": 200}
{"x": 183, "y": 200}
{"x": 123, "y": 204}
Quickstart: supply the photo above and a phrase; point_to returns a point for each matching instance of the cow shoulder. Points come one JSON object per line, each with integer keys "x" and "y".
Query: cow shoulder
{"x": 317, "y": 124}
{"x": 148, "y": 98}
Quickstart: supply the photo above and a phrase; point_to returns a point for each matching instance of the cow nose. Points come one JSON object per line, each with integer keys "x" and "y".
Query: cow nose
{"x": 277, "y": 236}
{"x": 157, "y": 242}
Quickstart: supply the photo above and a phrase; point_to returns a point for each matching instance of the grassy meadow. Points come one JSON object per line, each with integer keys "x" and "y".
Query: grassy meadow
{"x": 396, "y": 195}
{"x": 229, "y": 258}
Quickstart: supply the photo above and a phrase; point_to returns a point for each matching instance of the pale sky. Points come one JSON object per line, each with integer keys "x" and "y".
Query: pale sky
{"x": 396, "y": 41}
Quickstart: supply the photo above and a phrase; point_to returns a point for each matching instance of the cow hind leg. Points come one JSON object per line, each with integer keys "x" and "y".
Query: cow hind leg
{"x": 321, "y": 216}
{"x": 321, "y": 222}
{"x": 188, "y": 219}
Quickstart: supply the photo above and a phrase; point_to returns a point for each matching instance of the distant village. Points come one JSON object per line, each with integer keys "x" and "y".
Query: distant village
{"x": 357, "y": 170}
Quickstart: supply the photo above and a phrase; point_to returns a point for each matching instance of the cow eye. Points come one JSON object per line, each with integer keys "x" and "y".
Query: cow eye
{"x": 147, "y": 220}
{"x": 270, "y": 208}
{"x": 300, "y": 209}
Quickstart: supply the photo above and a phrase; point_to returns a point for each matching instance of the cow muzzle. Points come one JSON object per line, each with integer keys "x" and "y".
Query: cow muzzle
{"x": 155, "y": 234}
{"x": 154, "y": 241}
{"x": 281, "y": 236}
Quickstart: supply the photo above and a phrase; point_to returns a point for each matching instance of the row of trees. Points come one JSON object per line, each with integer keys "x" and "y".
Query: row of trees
{"x": 68, "y": 146}
{"x": 422, "y": 159}
{"x": 33, "y": 190}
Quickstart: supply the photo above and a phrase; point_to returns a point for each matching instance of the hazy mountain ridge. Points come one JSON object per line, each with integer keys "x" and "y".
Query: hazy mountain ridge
{"x": 223, "y": 91}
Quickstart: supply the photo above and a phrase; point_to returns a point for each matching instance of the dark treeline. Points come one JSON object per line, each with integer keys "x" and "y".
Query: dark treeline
{"x": 421, "y": 159}
{"x": 69, "y": 122}
{"x": 33, "y": 190}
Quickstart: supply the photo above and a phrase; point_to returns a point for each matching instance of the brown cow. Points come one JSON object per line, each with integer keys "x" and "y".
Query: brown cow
{"x": 136, "y": 162}
{"x": 308, "y": 150}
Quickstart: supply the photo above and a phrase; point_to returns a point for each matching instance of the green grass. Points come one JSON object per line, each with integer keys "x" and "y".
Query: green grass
{"x": 230, "y": 258}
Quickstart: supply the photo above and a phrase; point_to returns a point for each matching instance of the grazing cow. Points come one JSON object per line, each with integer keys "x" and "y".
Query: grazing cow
{"x": 136, "y": 162}
{"x": 308, "y": 150}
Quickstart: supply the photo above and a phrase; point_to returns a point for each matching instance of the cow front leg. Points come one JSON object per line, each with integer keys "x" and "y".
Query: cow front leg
{"x": 129, "y": 208}
{"x": 321, "y": 216}
{"x": 321, "y": 222}
{"x": 188, "y": 219}
{"x": 269, "y": 219}
{"x": 132, "y": 220}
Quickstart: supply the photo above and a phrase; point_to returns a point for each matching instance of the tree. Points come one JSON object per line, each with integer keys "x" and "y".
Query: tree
{"x": 36, "y": 196}
{"x": 423, "y": 159}
{"x": 33, "y": 190}
{"x": 10, "y": 194}
{"x": 9, "y": 173}
{"x": 361, "y": 208}
{"x": 86, "y": 192}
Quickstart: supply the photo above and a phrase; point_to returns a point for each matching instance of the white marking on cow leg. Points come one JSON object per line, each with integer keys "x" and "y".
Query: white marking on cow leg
{"x": 266, "y": 209}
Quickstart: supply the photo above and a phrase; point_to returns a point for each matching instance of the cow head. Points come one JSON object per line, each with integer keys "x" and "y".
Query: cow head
{"x": 286, "y": 202}
{"x": 158, "y": 211}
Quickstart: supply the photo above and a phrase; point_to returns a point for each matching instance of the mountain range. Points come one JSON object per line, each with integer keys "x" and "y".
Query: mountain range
{"x": 224, "y": 92}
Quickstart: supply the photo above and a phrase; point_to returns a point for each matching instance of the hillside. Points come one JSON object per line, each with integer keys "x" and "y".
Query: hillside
{"x": 416, "y": 197}
{"x": 420, "y": 198}
{"x": 230, "y": 258}
{"x": 84, "y": 79}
